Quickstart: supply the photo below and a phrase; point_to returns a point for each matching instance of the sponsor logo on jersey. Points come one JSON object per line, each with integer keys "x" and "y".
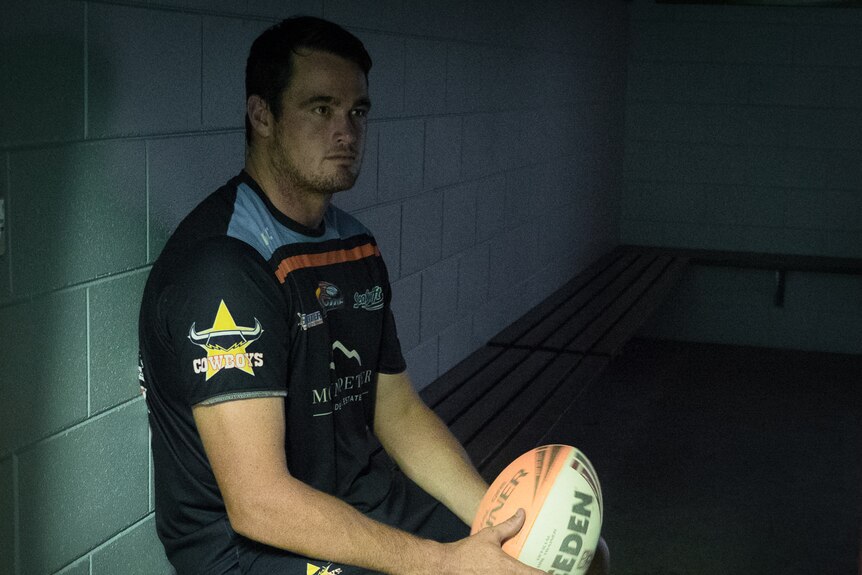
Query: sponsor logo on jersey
{"x": 309, "y": 320}
{"x": 312, "y": 569}
{"x": 329, "y": 296}
{"x": 226, "y": 345}
{"x": 371, "y": 300}
{"x": 344, "y": 389}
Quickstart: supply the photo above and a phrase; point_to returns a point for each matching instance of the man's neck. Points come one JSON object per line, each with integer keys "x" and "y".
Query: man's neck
{"x": 301, "y": 206}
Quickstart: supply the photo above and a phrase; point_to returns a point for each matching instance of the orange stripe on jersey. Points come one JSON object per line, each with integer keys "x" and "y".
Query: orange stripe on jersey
{"x": 293, "y": 263}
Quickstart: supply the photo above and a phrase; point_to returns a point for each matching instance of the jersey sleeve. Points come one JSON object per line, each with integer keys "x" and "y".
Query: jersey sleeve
{"x": 225, "y": 319}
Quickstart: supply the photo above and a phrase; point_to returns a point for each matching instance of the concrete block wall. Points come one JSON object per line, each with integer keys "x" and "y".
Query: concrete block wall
{"x": 742, "y": 133}
{"x": 493, "y": 174}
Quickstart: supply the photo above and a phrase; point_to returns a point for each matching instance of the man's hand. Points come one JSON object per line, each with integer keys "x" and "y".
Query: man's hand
{"x": 481, "y": 553}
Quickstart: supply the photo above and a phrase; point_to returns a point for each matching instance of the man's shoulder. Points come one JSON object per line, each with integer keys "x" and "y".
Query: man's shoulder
{"x": 346, "y": 224}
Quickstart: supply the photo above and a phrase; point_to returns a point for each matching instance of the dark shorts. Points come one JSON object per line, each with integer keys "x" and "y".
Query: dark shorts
{"x": 408, "y": 508}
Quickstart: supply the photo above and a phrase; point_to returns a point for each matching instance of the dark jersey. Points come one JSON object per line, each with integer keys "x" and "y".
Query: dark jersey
{"x": 244, "y": 302}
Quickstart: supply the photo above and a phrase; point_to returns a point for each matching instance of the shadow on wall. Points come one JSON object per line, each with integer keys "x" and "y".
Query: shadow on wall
{"x": 68, "y": 212}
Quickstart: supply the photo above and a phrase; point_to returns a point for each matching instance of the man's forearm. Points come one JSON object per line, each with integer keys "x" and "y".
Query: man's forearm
{"x": 293, "y": 516}
{"x": 424, "y": 448}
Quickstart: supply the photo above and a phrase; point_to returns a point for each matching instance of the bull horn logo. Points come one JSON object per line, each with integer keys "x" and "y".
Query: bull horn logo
{"x": 248, "y": 334}
{"x": 225, "y": 343}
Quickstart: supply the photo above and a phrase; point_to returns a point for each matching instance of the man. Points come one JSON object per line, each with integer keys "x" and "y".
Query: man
{"x": 269, "y": 356}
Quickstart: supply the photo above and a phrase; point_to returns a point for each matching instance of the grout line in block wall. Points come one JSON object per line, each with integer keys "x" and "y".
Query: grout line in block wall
{"x": 89, "y": 357}
{"x": 127, "y": 404}
{"x": 86, "y": 110}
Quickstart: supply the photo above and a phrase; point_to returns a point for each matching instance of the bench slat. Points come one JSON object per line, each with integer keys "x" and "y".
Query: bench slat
{"x": 440, "y": 389}
{"x": 542, "y": 334}
{"x": 615, "y": 309}
{"x": 640, "y": 311}
{"x": 475, "y": 388}
{"x": 590, "y": 311}
{"x": 534, "y": 426}
{"x": 512, "y": 416}
{"x": 471, "y": 421}
{"x": 514, "y": 333}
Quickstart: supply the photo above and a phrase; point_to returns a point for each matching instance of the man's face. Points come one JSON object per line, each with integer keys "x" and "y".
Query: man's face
{"x": 318, "y": 141}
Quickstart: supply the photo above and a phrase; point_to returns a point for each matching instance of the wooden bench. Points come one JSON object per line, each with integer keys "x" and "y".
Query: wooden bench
{"x": 502, "y": 399}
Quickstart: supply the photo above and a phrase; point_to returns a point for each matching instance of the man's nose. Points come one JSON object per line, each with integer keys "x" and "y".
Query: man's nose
{"x": 346, "y": 128}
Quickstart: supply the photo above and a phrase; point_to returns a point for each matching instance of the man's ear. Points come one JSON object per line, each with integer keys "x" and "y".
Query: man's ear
{"x": 260, "y": 116}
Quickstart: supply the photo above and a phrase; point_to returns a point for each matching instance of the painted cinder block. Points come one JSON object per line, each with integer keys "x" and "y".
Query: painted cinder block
{"x": 839, "y": 46}
{"x": 364, "y": 192}
{"x": 473, "y": 269}
{"x": 144, "y": 71}
{"x": 386, "y": 78}
{"x": 77, "y": 212}
{"x": 226, "y": 43}
{"x": 834, "y": 293}
{"x": 425, "y": 77}
{"x": 832, "y": 169}
{"x": 477, "y": 152}
{"x": 455, "y": 343}
{"x": 439, "y": 297}
{"x": 182, "y": 172}
{"x": 459, "y": 219}
{"x": 136, "y": 551}
{"x": 498, "y": 312}
{"x": 513, "y": 259}
{"x": 7, "y": 517}
{"x": 79, "y": 488}
{"x": 442, "y": 151}
{"x": 422, "y": 363}
{"x": 41, "y": 70}
{"x": 114, "y": 308}
{"x": 225, "y": 6}
{"x": 46, "y": 344}
{"x": 709, "y": 163}
{"x": 400, "y": 159}
{"x": 826, "y": 128}
{"x": 843, "y": 244}
{"x": 490, "y": 207}
{"x": 383, "y": 15}
{"x": 646, "y": 161}
{"x": 406, "y": 307}
{"x": 527, "y": 192}
{"x": 278, "y": 9}
{"x": 464, "y": 73}
{"x": 687, "y": 82}
{"x": 752, "y": 42}
{"x": 421, "y": 232}
{"x": 439, "y": 19}
{"x": 510, "y": 150}
{"x": 79, "y": 567}
{"x": 384, "y": 222}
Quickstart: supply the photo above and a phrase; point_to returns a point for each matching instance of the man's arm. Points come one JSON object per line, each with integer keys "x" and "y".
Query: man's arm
{"x": 244, "y": 442}
{"x": 423, "y": 447}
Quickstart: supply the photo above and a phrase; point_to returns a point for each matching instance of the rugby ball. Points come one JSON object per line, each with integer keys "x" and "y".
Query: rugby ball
{"x": 557, "y": 487}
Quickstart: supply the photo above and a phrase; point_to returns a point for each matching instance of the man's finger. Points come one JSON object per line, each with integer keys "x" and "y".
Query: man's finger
{"x": 510, "y": 527}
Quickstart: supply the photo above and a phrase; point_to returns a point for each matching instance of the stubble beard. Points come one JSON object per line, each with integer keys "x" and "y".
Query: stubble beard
{"x": 291, "y": 177}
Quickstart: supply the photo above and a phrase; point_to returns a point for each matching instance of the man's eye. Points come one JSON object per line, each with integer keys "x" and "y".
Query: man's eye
{"x": 322, "y": 110}
{"x": 360, "y": 112}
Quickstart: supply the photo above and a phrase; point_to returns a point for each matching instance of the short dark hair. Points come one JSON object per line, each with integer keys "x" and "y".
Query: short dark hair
{"x": 270, "y": 60}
